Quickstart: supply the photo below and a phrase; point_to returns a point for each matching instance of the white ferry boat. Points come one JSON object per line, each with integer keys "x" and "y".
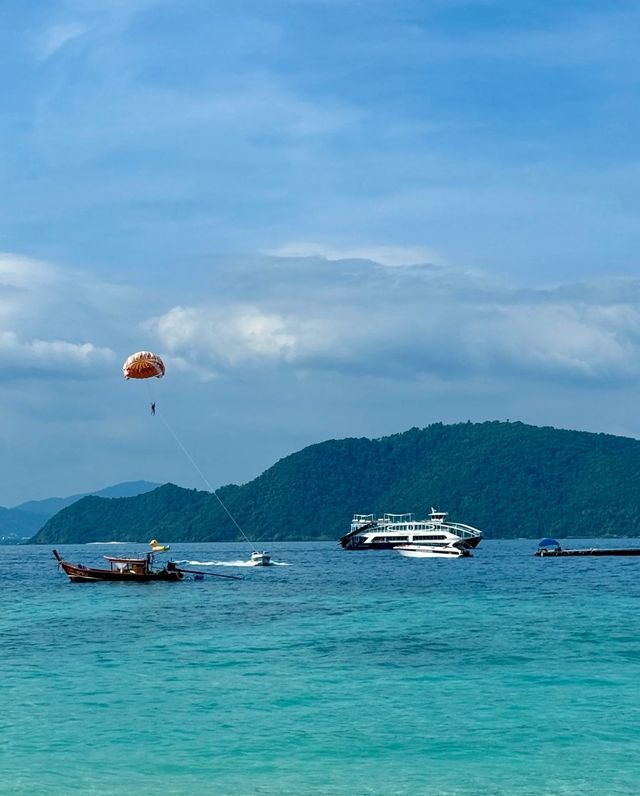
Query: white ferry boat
{"x": 392, "y": 530}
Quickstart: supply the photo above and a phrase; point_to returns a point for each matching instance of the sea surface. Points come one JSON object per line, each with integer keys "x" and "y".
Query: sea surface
{"x": 334, "y": 673}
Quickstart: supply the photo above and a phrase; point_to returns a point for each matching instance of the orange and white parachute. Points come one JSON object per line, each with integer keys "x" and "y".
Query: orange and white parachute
{"x": 143, "y": 365}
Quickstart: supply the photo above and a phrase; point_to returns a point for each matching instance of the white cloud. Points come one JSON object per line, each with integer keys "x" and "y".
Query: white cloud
{"x": 50, "y": 354}
{"x": 23, "y": 272}
{"x": 57, "y": 36}
{"x": 558, "y": 338}
{"x": 386, "y": 255}
{"x": 272, "y": 106}
{"x": 230, "y": 335}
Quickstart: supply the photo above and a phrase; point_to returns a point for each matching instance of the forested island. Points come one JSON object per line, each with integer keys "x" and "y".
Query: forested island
{"x": 508, "y": 479}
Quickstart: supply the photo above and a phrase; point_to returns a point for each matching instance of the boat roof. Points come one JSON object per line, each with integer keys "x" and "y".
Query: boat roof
{"x": 118, "y": 560}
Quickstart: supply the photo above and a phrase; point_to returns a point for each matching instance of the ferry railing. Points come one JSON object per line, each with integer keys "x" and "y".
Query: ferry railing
{"x": 464, "y": 532}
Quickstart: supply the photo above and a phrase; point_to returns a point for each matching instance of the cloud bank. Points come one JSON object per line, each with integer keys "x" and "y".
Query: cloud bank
{"x": 363, "y": 317}
{"x": 42, "y": 310}
{"x": 313, "y": 313}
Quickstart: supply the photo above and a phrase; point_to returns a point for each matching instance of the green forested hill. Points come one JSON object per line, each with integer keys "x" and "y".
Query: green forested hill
{"x": 508, "y": 479}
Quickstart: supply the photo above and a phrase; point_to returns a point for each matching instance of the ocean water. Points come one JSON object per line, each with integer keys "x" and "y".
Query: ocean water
{"x": 339, "y": 673}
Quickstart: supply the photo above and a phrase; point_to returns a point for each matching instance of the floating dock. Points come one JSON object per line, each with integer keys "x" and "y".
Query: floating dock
{"x": 591, "y": 551}
{"x": 551, "y": 547}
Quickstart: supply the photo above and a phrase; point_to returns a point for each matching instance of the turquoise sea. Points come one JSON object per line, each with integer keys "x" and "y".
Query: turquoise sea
{"x": 340, "y": 673}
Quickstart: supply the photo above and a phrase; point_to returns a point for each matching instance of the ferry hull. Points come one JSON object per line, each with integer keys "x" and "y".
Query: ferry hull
{"x": 371, "y": 545}
{"x": 354, "y": 544}
{"x": 416, "y": 551}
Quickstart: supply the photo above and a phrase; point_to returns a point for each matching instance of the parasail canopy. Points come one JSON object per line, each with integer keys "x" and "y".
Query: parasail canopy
{"x": 143, "y": 365}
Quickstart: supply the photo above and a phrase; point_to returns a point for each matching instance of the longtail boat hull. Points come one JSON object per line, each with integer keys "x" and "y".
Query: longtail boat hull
{"x": 122, "y": 570}
{"x": 80, "y": 574}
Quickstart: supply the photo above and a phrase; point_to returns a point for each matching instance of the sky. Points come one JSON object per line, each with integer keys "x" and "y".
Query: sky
{"x": 331, "y": 218}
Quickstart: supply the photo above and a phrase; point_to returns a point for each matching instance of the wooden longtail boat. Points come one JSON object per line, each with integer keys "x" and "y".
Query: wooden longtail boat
{"x": 132, "y": 570}
{"x": 137, "y": 570}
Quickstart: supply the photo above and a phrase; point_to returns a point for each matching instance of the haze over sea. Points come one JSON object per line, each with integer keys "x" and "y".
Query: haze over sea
{"x": 342, "y": 673}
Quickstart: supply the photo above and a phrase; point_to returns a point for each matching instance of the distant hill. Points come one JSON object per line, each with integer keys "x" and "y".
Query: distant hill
{"x": 23, "y": 521}
{"x": 15, "y": 525}
{"x": 508, "y": 479}
{"x": 50, "y": 506}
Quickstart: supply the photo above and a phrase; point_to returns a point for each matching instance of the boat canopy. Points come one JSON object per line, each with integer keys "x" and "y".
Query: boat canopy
{"x": 118, "y": 560}
{"x": 549, "y": 543}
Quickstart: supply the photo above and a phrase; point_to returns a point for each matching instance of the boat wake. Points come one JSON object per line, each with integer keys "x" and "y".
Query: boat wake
{"x": 108, "y": 542}
{"x": 238, "y": 563}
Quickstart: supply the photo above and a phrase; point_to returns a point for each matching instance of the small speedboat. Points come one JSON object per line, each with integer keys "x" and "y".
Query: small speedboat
{"x": 432, "y": 551}
{"x": 260, "y": 559}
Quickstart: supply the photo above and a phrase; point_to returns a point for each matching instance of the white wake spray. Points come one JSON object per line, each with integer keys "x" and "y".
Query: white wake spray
{"x": 238, "y": 563}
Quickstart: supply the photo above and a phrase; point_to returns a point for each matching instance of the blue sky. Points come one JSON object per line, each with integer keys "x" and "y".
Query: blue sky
{"x": 330, "y": 217}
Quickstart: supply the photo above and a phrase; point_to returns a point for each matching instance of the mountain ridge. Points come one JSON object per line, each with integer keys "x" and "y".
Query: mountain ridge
{"x": 23, "y": 520}
{"x": 507, "y": 478}
{"x": 50, "y": 506}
